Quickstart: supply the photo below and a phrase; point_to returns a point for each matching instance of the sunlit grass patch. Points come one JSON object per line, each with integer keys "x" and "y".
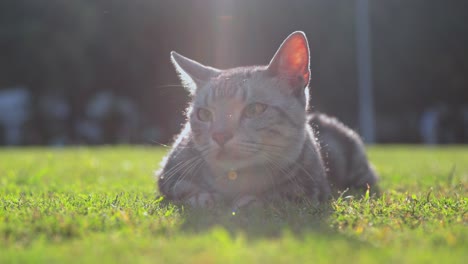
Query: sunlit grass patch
{"x": 101, "y": 205}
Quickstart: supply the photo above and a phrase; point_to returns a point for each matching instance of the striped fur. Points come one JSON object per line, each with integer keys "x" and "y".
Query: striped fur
{"x": 270, "y": 155}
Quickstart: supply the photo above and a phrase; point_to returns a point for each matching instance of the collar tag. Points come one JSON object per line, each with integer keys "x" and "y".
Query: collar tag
{"x": 232, "y": 175}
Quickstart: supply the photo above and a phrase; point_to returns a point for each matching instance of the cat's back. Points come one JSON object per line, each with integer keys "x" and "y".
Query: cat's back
{"x": 343, "y": 153}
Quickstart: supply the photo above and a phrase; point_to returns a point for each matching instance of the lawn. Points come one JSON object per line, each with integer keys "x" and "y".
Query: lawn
{"x": 82, "y": 205}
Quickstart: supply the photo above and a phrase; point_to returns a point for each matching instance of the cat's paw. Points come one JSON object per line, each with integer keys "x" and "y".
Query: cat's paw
{"x": 203, "y": 200}
{"x": 247, "y": 201}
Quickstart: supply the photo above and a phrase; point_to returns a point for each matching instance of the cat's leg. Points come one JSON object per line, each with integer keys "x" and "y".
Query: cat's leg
{"x": 203, "y": 200}
{"x": 186, "y": 192}
{"x": 246, "y": 201}
{"x": 181, "y": 179}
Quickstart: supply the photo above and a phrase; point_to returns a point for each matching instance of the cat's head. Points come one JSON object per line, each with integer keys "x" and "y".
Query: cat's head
{"x": 249, "y": 115}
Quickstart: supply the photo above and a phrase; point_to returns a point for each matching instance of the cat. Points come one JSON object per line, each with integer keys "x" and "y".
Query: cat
{"x": 250, "y": 140}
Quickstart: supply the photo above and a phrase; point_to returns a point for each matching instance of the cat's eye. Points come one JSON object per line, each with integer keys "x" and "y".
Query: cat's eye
{"x": 255, "y": 109}
{"x": 204, "y": 115}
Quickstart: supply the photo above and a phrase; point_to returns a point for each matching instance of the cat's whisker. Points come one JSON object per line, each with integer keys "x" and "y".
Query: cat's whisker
{"x": 188, "y": 171}
{"x": 255, "y": 149}
{"x": 272, "y": 162}
{"x": 270, "y": 176}
{"x": 293, "y": 180}
{"x": 263, "y": 144}
{"x": 299, "y": 165}
{"x": 169, "y": 86}
{"x": 159, "y": 143}
{"x": 269, "y": 171}
{"x": 204, "y": 149}
{"x": 247, "y": 149}
{"x": 152, "y": 141}
{"x": 285, "y": 171}
{"x": 169, "y": 172}
{"x": 177, "y": 168}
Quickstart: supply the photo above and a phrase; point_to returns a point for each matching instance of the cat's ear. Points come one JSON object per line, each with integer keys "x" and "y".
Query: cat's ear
{"x": 291, "y": 60}
{"x": 191, "y": 73}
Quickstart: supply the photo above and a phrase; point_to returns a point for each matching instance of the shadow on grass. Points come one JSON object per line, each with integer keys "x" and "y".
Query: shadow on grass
{"x": 269, "y": 222}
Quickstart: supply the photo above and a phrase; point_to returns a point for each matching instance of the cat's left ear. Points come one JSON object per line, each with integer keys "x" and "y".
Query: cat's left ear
{"x": 291, "y": 60}
{"x": 192, "y": 74}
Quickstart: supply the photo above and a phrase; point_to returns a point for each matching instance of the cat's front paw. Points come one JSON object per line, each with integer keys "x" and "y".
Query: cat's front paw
{"x": 246, "y": 201}
{"x": 203, "y": 200}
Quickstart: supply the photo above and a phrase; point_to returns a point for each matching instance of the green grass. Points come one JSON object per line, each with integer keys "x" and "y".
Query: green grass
{"x": 84, "y": 205}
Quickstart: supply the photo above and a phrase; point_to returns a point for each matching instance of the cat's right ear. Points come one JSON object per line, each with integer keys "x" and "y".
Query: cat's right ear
{"x": 191, "y": 73}
{"x": 291, "y": 60}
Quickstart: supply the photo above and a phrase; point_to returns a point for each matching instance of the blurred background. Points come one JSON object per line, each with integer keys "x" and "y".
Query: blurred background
{"x": 98, "y": 71}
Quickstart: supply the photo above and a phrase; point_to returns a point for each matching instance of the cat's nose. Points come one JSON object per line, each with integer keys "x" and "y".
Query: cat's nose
{"x": 222, "y": 137}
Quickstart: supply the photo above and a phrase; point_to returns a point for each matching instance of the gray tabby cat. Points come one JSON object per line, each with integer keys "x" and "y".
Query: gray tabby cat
{"x": 249, "y": 138}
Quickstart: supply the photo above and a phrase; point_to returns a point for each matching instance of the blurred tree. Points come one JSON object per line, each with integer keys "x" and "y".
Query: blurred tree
{"x": 77, "y": 48}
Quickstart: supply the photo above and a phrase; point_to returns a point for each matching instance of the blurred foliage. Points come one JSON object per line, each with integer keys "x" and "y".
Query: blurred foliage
{"x": 76, "y": 48}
